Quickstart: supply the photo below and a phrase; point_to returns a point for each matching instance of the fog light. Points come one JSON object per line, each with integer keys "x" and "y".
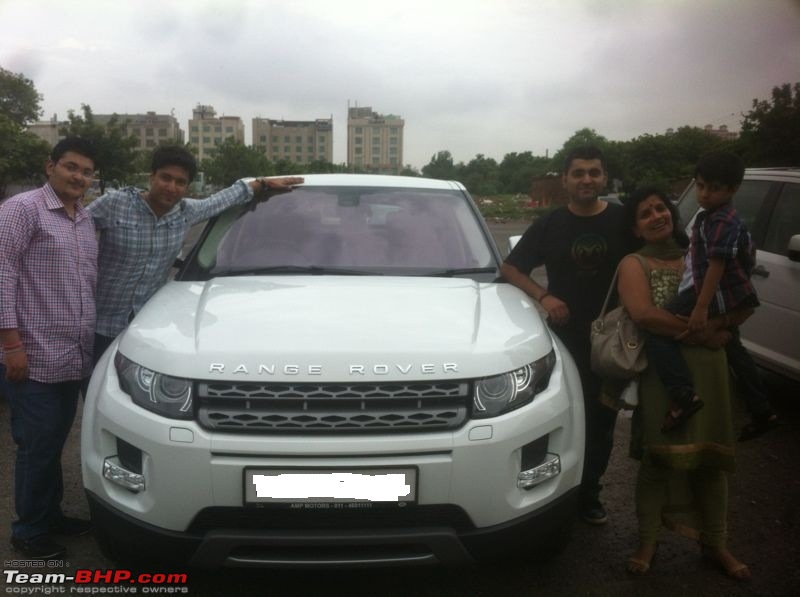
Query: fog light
{"x": 547, "y": 470}
{"x": 116, "y": 473}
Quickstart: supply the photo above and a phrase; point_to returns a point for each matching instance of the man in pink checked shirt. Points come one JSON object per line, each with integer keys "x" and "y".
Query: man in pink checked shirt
{"x": 48, "y": 274}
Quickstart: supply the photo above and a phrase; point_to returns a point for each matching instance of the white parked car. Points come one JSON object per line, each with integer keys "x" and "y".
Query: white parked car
{"x": 336, "y": 377}
{"x": 769, "y": 203}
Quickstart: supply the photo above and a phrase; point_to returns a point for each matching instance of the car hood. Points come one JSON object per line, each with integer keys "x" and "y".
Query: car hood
{"x": 336, "y": 328}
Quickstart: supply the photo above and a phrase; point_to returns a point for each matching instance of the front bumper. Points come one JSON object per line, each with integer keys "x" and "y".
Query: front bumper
{"x": 448, "y": 543}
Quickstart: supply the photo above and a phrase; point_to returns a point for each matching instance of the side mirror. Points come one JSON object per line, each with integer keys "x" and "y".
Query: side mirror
{"x": 794, "y": 248}
{"x": 512, "y": 241}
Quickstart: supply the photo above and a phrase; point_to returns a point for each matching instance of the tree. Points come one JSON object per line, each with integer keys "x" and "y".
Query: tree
{"x": 409, "y": 170}
{"x": 660, "y": 159}
{"x": 233, "y": 161}
{"x": 613, "y": 151}
{"x": 517, "y": 170}
{"x": 480, "y": 176}
{"x": 22, "y": 154}
{"x": 19, "y": 100}
{"x": 584, "y": 136}
{"x": 117, "y": 158}
{"x": 771, "y": 130}
{"x": 441, "y": 166}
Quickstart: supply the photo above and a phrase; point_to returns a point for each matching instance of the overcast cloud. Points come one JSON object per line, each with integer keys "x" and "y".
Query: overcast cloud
{"x": 467, "y": 76}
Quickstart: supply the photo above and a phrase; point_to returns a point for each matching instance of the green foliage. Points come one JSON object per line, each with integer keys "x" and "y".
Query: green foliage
{"x": 584, "y": 136}
{"x": 22, "y": 155}
{"x": 409, "y": 171}
{"x": 658, "y": 159}
{"x": 19, "y": 100}
{"x": 649, "y": 159}
{"x": 441, "y": 167}
{"x": 233, "y": 161}
{"x": 480, "y": 175}
{"x": 771, "y": 130}
{"x": 116, "y": 151}
{"x": 517, "y": 170}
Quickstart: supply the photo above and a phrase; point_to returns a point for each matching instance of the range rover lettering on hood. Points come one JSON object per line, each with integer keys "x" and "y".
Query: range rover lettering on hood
{"x": 354, "y": 370}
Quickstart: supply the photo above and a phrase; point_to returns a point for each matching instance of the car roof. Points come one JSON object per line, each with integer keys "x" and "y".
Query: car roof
{"x": 377, "y": 180}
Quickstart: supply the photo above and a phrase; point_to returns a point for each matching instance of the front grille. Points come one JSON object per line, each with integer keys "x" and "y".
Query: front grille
{"x": 285, "y": 518}
{"x": 280, "y": 407}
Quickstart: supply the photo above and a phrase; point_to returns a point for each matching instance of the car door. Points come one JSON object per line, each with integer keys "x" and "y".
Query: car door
{"x": 772, "y": 334}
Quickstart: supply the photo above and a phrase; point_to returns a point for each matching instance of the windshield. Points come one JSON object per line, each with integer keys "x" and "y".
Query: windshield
{"x": 349, "y": 230}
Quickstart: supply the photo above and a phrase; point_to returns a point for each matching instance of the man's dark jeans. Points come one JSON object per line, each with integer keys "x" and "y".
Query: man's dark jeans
{"x": 41, "y": 418}
{"x": 600, "y": 420}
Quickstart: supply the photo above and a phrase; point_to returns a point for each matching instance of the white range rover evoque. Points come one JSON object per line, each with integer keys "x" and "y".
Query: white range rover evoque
{"x": 336, "y": 377}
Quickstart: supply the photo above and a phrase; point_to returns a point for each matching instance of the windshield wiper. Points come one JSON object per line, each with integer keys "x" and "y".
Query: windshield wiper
{"x": 449, "y": 273}
{"x": 314, "y": 270}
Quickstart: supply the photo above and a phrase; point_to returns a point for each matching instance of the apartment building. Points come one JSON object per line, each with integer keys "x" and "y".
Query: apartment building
{"x": 298, "y": 141}
{"x": 150, "y": 129}
{"x": 207, "y": 131}
{"x": 374, "y": 141}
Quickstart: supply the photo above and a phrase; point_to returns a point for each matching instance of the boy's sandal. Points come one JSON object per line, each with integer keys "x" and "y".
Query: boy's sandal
{"x": 673, "y": 421}
{"x": 758, "y": 427}
{"x": 638, "y": 567}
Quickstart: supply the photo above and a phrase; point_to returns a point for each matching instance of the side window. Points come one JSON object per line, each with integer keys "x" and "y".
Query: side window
{"x": 785, "y": 220}
{"x": 748, "y": 200}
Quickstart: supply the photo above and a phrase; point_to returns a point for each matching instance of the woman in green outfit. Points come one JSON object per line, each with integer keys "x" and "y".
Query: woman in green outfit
{"x": 683, "y": 476}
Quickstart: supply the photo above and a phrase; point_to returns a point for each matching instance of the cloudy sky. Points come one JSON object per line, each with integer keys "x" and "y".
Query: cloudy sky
{"x": 468, "y": 76}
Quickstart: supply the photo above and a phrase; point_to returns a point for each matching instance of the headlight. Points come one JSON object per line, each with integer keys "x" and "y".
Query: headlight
{"x": 163, "y": 394}
{"x": 502, "y": 393}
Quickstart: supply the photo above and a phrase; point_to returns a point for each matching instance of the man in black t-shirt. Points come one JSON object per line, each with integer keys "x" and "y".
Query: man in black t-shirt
{"x": 580, "y": 246}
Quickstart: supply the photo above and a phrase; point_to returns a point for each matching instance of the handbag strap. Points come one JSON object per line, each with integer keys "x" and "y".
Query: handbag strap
{"x": 614, "y": 281}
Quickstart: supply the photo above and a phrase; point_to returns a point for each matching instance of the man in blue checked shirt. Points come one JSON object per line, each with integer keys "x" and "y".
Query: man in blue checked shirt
{"x": 142, "y": 232}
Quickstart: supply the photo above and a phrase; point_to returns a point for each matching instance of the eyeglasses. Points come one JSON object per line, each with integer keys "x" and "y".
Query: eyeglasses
{"x": 74, "y": 168}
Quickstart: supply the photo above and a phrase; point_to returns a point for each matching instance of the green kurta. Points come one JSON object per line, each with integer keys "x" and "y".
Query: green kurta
{"x": 682, "y": 480}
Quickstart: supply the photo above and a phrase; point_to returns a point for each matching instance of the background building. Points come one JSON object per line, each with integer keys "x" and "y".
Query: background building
{"x": 374, "y": 141}
{"x": 48, "y": 129}
{"x": 722, "y": 132}
{"x": 207, "y": 131}
{"x": 298, "y": 141}
{"x": 150, "y": 129}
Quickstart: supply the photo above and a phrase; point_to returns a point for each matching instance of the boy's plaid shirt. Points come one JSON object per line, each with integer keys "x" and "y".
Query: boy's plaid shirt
{"x": 137, "y": 249}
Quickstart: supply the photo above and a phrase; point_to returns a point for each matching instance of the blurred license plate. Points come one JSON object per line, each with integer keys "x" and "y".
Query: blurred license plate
{"x": 325, "y": 486}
